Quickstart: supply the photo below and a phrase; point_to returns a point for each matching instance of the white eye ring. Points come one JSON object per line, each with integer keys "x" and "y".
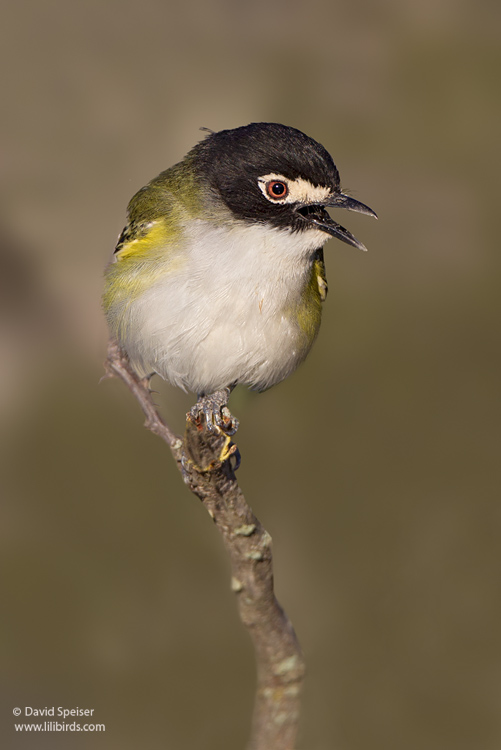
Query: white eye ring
{"x": 299, "y": 190}
{"x": 269, "y": 183}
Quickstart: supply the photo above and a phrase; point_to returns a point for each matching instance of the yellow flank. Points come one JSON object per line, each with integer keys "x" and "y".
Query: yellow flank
{"x": 149, "y": 245}
{"x": 309, "y": 313}
{"x": 321, "y": 280}
{"x": 138, "y": 265}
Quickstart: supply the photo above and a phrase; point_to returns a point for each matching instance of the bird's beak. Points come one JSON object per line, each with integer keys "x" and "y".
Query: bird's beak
{"x": 316, "y": 214}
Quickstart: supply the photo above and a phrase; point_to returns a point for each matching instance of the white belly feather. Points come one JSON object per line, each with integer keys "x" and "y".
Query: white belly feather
{"x": 225, "y": 311}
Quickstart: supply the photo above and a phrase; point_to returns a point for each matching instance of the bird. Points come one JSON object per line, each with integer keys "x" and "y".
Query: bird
{"x": 218, "y": 277}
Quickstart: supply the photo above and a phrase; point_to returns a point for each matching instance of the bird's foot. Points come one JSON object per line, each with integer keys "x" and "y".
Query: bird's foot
{"x": 214, "y": 409}
{"x": 217, "y": 448}
{"x": 228, "y": 450}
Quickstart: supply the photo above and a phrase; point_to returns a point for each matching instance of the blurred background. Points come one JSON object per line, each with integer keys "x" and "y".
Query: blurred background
{"x": 375, "y": 467}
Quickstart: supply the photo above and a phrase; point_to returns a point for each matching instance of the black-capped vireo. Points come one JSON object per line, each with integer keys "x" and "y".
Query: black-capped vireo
{"x": 218, "y": 277}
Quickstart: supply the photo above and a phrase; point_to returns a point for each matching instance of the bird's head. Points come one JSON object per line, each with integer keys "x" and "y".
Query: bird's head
{"x": 276, "y": 175}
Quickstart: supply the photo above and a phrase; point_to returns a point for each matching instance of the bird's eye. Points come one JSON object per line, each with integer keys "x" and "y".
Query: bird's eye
{"x": 277, "y": 189}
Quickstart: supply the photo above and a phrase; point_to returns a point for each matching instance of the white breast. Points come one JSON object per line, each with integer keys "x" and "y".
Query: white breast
{"x": 226, "y": 314}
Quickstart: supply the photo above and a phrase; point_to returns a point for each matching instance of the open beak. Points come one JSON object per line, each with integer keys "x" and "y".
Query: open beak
{"x": 316, "y": 214}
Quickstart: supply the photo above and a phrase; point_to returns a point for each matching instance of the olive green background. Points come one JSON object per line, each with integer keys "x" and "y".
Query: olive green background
{"x": 375, "y": 467}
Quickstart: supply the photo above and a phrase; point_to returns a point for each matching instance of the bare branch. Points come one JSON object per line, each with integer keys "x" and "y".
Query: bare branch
{"x": 206, "y": 463}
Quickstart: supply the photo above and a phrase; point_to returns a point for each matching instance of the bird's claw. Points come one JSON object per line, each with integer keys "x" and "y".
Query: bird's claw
{"x": 214, "y": 409}
{"x": 228, "y": 451}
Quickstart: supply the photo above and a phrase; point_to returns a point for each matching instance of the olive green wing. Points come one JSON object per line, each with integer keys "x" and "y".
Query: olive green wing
{"x": 154, "y": 221}
{"x": 157, "y": 212}
{"x": 146, "y": 249}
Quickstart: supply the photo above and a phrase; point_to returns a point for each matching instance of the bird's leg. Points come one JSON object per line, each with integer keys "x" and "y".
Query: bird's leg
{"x": 214, "y": 408}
